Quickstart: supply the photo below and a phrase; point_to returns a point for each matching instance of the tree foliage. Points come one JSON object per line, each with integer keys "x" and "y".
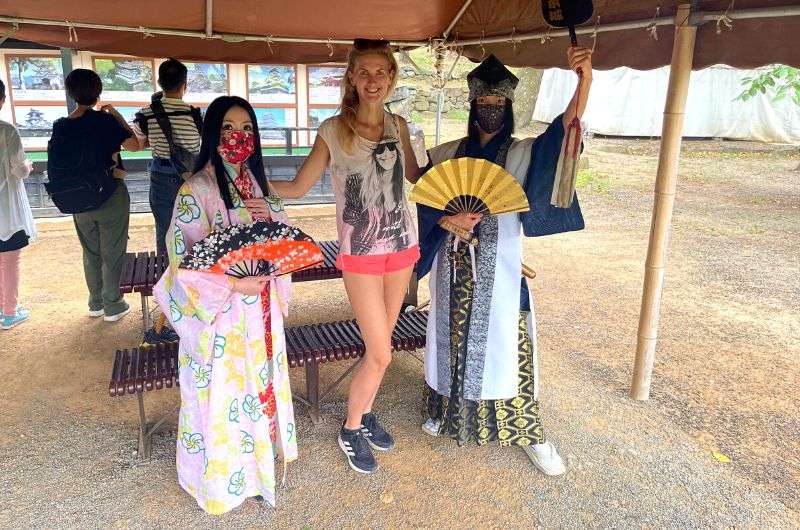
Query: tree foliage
{"x": 780, "y": 81}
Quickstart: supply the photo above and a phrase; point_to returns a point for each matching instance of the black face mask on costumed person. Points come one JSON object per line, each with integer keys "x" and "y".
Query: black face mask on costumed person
{"x": 490, "y": 117}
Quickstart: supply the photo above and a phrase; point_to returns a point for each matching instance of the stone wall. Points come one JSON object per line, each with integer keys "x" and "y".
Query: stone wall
{"x": 425, "y": 99}
{"x": 422, "y": 97}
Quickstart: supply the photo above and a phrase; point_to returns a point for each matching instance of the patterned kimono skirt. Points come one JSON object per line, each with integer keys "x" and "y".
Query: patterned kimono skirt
{"x": 512, "y": 421}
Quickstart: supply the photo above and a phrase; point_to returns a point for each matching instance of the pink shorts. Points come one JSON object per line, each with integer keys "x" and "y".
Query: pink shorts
{"x": 378, "y": 264}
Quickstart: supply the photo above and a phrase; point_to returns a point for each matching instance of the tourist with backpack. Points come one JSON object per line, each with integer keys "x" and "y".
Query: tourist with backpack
{"x": 171, "y": 127}
{"x": 16, "y": 220}
{"x": 82, "y": 156}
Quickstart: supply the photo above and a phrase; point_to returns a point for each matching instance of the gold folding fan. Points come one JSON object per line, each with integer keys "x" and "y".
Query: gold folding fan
{"x": 470, "y": 185}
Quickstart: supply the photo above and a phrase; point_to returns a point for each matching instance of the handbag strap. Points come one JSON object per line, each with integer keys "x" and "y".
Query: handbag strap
{"x": 162, "y": 117}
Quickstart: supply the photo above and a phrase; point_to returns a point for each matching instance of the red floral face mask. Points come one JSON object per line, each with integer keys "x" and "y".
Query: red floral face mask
{"x": 236, "y": 146}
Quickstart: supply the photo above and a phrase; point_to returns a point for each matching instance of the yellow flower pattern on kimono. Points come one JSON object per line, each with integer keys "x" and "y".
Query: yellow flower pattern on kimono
{"x": 224, "y": 448}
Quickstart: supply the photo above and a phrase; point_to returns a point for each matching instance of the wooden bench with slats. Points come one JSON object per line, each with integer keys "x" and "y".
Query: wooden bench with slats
{"x": 155, "y": 367}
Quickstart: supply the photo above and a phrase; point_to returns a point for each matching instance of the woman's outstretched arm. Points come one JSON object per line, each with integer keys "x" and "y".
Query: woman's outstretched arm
{"x": 308, "y": 174}
{"x": 579, "y": 58}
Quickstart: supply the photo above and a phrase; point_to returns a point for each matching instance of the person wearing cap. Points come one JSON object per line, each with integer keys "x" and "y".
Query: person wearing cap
{"x": 480, "y": 356}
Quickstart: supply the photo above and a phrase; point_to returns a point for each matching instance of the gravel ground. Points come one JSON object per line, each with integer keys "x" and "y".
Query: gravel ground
{"x": 726, "y": 381}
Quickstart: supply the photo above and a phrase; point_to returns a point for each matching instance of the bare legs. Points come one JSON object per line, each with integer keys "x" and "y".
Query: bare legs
{"x": 376, "y": 302}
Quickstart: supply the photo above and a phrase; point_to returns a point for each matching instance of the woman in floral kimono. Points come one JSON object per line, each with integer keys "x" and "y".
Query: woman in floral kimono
{"x": 236, "y": 413}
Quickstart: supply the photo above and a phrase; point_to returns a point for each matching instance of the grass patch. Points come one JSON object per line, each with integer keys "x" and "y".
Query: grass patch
{"x": 590, "y": 179}
{"x": 458, "y": 115}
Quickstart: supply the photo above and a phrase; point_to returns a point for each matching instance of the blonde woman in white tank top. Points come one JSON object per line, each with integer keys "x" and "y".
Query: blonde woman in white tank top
{"x": 369, "y": 153}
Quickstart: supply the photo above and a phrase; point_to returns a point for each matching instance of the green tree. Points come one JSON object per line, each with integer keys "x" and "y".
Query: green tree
{"x": 780, "y": 82}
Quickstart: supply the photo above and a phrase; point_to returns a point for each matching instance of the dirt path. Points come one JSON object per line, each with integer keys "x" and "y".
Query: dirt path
{"x": 726, "y": 380}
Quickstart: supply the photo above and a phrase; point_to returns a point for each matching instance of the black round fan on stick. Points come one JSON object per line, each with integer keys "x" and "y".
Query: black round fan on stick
{"x": 567, "y": 14}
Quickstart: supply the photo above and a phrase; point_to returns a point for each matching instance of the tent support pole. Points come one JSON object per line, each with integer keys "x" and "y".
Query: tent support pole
{"x": 664, "y": 201}
{"x": 66, "y": 68}
{"x": 440, "y": 54}
{"x": 209, "y": 18}
{"x": 455, "y": 20}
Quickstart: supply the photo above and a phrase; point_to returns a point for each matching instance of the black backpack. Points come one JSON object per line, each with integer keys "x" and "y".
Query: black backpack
{"x": 182, "y": 159}
{"x": 78, "y": 180}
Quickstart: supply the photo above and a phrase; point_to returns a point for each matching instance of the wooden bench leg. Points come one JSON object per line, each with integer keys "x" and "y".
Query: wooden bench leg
{"x": 312, "y": 391}
{"x": 145, "y": 314}
{"x": 145, "y": 436}
{"x": 336, "y": 383}
{"x": 411, "y": 293}
{"x": 146, "y": 430}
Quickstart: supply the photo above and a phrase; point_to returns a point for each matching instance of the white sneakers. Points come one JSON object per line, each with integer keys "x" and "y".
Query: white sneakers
{"x": 431, "y": 427}
{"x": 546, "y": 458}
{"x": 109, "y": 318}
{"x": 118, "y": 316}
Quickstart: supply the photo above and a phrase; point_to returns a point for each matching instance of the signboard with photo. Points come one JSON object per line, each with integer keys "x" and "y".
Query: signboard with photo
{"x": 206, "y": 82}
{"x": 316, "y": 117}
{"x": 324, "y": 83}
{"x": 128, "y": 112}
{"x": 35, "y": 123}
{"x": 40, "y": 117}
{"x": 271, "y": 83}
{"x": 272, "y": 118}
{"x": 125, "y": 79}
{"x": 36, "y": 78}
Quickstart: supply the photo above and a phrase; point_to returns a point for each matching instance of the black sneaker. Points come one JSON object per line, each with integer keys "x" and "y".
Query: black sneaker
{"x": 359, "y": 455}
{"x": 377, "y": 437}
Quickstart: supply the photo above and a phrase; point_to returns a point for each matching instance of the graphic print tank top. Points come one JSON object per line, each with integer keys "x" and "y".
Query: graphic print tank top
{"x": 372, "y": 214}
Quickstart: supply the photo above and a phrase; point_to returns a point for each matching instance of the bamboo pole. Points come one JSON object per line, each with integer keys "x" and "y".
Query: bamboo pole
{"x": 664, "y": 200}
{"x": 209, "y": 18}
{"x": 441, "y": 81}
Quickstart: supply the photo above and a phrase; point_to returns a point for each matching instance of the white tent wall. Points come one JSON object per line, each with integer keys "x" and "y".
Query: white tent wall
{"x": 627, "y": 102}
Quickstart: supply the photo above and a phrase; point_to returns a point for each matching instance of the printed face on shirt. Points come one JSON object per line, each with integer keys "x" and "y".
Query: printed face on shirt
{"x": 371, "y": 76}
{"x": 386, "y": 155}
